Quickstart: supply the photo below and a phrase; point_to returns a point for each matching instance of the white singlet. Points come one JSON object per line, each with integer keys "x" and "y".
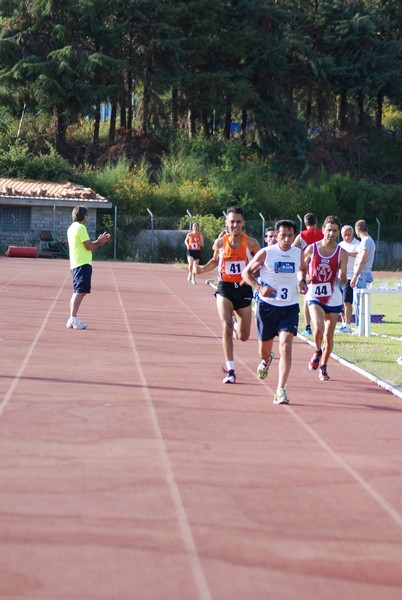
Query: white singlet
{"x": 280, "y": 272}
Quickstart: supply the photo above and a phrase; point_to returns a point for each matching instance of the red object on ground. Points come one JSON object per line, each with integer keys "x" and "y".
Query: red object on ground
{"x": 23, "y": 251}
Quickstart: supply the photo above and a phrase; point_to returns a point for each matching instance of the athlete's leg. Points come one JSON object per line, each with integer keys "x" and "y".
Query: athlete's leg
{"x": 244, "y": 317}
{"x": 190, "y": 261}
{"x": 225, "y": 310}
{"x": 285, "y": 357}
{"x": 317, "y": 318}
{"x": 265, "y": 349}
{"x": 331, "y": 320}
{"x": 196, "y": 262}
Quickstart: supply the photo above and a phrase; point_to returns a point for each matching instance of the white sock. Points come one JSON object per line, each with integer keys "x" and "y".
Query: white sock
{"x": 230, "y": 365}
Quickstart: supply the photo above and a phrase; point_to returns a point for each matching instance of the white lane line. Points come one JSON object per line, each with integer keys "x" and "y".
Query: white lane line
{"x": 4, "y": 286}
{"x": 394, "y": 514}
{"x": 196, "y": 567}
{"x": 17, "y": 378}
{"x": 374, "y": 378}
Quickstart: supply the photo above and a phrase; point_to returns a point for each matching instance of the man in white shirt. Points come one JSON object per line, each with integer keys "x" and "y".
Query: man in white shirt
{"x": 351, "y": 245}
{"x": 278, "y": 273}
{"x": 362, "y": 275}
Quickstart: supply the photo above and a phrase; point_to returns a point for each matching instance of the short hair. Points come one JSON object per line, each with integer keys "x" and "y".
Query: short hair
{"x": 79, "y": 213}
{"x": 310, "y": 219}
{"x": 361, "y": 225}
{"x": 346, "y": 227}
{"x": 333, "y": 220}
{"x": 269, "y": 229}
{"x": 286, "y": 223}
{"x": 235, "y": 209}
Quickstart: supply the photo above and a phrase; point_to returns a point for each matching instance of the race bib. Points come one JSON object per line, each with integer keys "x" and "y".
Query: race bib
{"x": 319, "y": 290}
{"x": 194, "y": 245}
{"x": 234, "y": 267}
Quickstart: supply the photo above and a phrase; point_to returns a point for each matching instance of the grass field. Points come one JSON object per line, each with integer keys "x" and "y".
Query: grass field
{"x": 376, "y": 354}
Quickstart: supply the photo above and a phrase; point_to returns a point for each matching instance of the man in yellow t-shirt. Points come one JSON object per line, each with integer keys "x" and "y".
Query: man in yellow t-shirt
{"x": 80, "y": 249}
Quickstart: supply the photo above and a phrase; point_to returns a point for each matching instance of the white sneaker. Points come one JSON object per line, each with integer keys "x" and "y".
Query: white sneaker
{"x": 193, "y": 280}
{"x": 347, "y": 329}
{"x": 230, "y": 377}
{"x": 280, "y": 397}
{"x": 75, "y": 323}
{"x": 263, "y": 367}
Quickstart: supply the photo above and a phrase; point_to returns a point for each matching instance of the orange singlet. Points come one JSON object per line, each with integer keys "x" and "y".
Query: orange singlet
{"x": 232, "y": 261}
{"x": 194, "y": 241}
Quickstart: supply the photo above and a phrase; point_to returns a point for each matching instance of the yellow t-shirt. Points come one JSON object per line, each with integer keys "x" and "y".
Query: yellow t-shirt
{"x": 77, "y": 234}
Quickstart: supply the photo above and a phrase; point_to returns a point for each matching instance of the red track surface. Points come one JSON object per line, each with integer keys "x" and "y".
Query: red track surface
{"x": 129, "y": 471}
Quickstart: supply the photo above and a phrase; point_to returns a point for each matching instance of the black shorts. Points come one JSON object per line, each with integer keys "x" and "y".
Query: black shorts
{"x": 196, "y": 254}
{"x": 82, "y": 279}
{"x": 239, "y": 295}
{"x": 273, "y": 319}
{"x": 347, "y": 293}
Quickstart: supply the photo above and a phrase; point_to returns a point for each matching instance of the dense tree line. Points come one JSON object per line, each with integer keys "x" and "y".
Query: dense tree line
{"x": 278, "y": 65}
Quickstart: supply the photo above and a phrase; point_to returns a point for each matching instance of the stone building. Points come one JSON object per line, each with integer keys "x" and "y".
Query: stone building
{"x": 29, "y": 207}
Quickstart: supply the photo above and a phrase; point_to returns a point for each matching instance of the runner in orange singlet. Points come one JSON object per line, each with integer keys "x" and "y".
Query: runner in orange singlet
{"x": 232, "y": 252}
{"x": 194, "y": 242}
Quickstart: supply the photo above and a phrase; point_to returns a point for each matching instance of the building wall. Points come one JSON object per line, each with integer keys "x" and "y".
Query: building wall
{"x": 42, "y": 218}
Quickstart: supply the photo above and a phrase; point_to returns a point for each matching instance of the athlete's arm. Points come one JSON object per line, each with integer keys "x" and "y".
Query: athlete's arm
{"x": 253, "y": 246}
{"x": 297, "y": 243}
{"x": 307, "y": 254}
{"x": 301, "y": 275}
{"x": 214, "y": 261}
{"x": 250, "y": 273}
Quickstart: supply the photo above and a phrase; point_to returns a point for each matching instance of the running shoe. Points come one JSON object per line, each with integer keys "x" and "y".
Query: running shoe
{"x": 280, "y": 397}
{"x": 347, "y": 329}
{"x": 323, "y": 375}
{"x": 193, "y": 280}
{"x": 307, "y": 331}
{"x": 75, "y": 323}
{"x": 230, "y": 376}
{"x": 315, "y": 361}
{"x": 189, "y": 277}
{"x": 263, "y": 367}
{"x": 342, "y": 328}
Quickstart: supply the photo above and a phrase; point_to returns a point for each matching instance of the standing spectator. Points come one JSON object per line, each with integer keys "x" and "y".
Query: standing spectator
{"x": 232, "y": 252}
{"x": 281, "y": 270}
{"x": 80, "y": 247}
{"x": 326, "y": 262}
{"x": 351, "y": 245}
{"x": 194, "y": 242}
{"x": 306, "y": 237}
{"x": 362, "y": 276}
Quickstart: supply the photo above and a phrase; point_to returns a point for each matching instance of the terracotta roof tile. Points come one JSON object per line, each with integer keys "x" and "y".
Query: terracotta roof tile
{"x": 46, "y": 189}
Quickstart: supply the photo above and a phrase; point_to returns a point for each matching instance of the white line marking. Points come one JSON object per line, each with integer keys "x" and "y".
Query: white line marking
{"x": 196, "y": 567}
{"x": 17, "y": 378}
{"x": 394, "y": 514}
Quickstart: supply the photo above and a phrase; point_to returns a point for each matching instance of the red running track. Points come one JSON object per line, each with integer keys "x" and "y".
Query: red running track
{"x": 130, "y": 472}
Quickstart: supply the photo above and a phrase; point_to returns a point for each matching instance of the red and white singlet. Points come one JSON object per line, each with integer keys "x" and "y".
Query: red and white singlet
{"x": 323, "y": 270}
